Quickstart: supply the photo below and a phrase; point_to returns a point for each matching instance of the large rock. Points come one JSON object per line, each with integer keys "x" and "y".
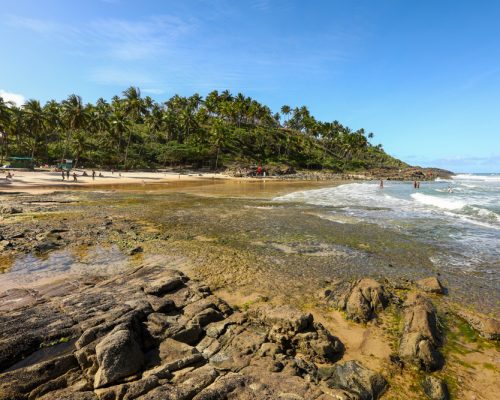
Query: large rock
{"x": 355, "y": 379}
{"x": 421, "y": 337}
{"x": 430, "y": 285}
{"x": 435, "y": 388}
{"x": 118, "y": 356}
{"x": 488, "y": 327}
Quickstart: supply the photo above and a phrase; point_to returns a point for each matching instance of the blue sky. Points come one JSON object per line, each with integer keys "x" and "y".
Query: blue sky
{"x": 424, "y": 76}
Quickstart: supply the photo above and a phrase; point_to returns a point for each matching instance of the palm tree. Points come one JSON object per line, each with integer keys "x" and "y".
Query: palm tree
{"x": 74, "y": 117}
{"x": 134, "y": 108}
{"x": 35, "y": 122}
{"x": 5, "y": 120}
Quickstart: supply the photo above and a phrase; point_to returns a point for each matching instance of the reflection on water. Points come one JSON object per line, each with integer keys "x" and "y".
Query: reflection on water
{"x": 31, "y": 269}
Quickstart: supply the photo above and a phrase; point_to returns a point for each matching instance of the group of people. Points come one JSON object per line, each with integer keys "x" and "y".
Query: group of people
{"x": 416, "y": 184}
{"x": 65, "y": 175}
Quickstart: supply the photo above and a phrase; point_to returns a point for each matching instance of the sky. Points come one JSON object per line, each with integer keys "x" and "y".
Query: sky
{"x": 423, "y": 76}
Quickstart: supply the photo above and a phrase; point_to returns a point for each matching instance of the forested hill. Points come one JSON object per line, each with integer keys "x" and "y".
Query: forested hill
{"x": 133, "y": 131}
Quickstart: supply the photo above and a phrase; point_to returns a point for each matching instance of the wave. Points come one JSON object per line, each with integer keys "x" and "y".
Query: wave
{"x": 474, "y": 177}
{"x": 445, "y": 203}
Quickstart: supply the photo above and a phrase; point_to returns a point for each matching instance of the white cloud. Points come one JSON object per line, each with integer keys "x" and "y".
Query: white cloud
{"x": 17, "y": 99}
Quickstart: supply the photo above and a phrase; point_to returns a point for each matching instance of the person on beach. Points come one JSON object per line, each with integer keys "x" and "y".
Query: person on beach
{"x": 67, "y": 174}
{"x": 9, "y": 176}
{"x": 100, "y": 175}
{"x": 381, "y": 184}
{"x": 74, "y": 177}
{"x": 259, "y": 170}
{"x": 93, "y": 174}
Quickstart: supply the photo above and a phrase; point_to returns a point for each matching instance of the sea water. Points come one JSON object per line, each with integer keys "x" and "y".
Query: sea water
{"x": 460, "y": 215}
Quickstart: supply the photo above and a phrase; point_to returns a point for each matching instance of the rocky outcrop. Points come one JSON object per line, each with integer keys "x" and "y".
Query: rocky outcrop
{"x": 353, "y": 378}
{"x": 435, "y": 389}
{"x": 421, "y": 337}
{"x": 155, "y": 334}
{"x": 430, "y": 285}
{"x": 488, "y": 327}
{"x": 361, "y": 300}
{"x": 118, "y": 356}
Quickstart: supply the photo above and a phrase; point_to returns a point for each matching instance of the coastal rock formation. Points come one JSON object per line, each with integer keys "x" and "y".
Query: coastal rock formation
{"x": 352, "y": 377}
{"x": 488, "y": 327}
{"x": 155, "y": 334}
{"x": 421, "y": 337}
{"x": 435, "y": 388}
{"x": 430, "y": 285}
{"x": 361, "y": 299}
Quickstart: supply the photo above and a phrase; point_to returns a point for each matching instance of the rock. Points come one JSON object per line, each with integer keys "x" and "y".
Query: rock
{"x": 10, "y": 210}
{"x": 5, "y": 245}
{"x": 421, "y": 336}
{"x": 488, "y": 327}
{"x": 164, "y": 285}
{"x": 118, "y": 356}
{"x": 318, "y": 344}
{"x": 366, "y": 297}
{"x": 354, "y": 378}
{"x": 222, "y": 387}
{"x": 430, "y": 285}
{"x": 435, "y": 388}
{"x": 136, "y": 250}
{"x": 284, "y": 322}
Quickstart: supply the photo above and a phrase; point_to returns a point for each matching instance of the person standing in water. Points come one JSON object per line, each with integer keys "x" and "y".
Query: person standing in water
{"x": 93, "y": 174}
{"x": 381, "y": 184}
{"x": 62, "y": 174}
{"x": 74, "y": 177}
{"x": 414, "y": 184}
{"x": 67, "y": 174}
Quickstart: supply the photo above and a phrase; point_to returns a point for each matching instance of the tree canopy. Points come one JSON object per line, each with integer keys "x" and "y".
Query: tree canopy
{"x": 134, "y": 131}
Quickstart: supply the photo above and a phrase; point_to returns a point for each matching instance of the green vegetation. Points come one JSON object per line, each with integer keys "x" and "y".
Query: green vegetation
{"x": 222, "y": 129}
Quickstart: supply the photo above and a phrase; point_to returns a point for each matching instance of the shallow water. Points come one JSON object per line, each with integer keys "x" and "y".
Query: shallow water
{"x": 460, "y": 216}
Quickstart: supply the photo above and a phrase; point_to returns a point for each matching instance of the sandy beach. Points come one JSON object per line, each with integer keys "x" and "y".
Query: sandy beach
{"x": 47, "y": 181}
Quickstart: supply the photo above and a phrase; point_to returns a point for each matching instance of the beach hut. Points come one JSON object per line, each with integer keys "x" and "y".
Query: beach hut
{"x": 66, "y": 165}
{"x": 21, "y": 162}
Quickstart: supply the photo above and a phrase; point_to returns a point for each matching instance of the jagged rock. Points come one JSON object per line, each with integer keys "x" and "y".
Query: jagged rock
{"x": 18, "y": 383}
{"x": 160, "y": 286}
{"x": 366, "y": 297}
{"x": 435, "y": 388}
{"x": 222, "y": 387}
{"x": 118, "y": 356}
{"x": 354, "y": 378}
{"x": 318, "y": 344}
{"x": 488, "y": 327}
{"x": 284, "y": 322}
{"x": 421, "y": 337}
{"x": 130, "y": 390}
{"x": 430, "y": 285}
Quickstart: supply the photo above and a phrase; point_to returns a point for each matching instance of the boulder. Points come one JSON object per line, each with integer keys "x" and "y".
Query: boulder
{"x": 430, "y": 285}
{"x": 355, "y": 379}
{"x": 488, "y": 327}
{"x": 118, "y": 356}
{"x": 366, "y": 297}
{"x": 164, "y": 285}
{"x": 421, "y": 336}
{"x": 435, "y": 389}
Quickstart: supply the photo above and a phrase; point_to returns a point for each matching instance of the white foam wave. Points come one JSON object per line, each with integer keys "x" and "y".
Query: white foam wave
{"x": 445, "y": 203}
{"x": 480, "y": 178}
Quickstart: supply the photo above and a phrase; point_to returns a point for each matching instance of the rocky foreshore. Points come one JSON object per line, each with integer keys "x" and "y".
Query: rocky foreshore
{"x": 154, "y": 333}
{"x": 386, "y": 173}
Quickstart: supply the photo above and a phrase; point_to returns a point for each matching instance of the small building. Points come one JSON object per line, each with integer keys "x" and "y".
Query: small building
{"x": 21, "y": 162}
{"x": 66, "y": 165}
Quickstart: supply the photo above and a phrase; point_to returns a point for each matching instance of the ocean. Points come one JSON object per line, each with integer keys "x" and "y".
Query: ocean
{"x": 460, "y": 215}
